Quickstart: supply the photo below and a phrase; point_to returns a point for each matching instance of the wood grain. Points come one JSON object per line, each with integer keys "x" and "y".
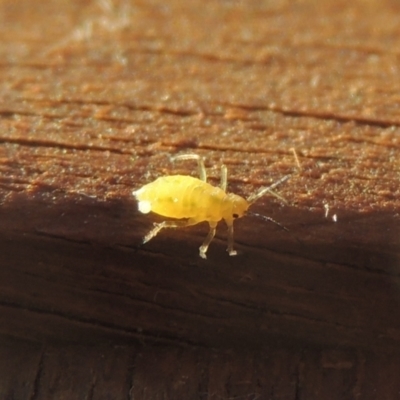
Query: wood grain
{"x": 96, "y": 96}
{"x": 29, "y": 371}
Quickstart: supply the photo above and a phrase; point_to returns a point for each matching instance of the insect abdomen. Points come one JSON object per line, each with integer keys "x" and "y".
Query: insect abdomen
{"x": 179, "y": 196}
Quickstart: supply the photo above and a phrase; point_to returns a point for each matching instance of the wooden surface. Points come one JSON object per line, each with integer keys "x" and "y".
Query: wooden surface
{"x": 31, "y": 371}
{"x": 94, "y": 99}
{"x": 153, "y": 373}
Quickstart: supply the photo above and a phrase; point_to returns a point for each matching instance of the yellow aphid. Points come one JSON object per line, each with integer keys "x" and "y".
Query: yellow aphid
{"x": 192, "y": 200}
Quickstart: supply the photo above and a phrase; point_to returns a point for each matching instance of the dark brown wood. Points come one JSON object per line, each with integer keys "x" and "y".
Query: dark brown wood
{"x": 95, "y": 97}
{"x": 29, "y": 371}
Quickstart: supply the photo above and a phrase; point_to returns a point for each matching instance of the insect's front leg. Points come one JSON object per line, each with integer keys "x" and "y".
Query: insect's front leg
{"x": 211, "y": 233}
{"x": 230, "y": 249}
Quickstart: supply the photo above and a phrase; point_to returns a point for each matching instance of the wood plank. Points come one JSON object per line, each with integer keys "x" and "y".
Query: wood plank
{"x": 74, "y": 291}
{"x": 105, "y": 372}
{"x": 96, "y": 97}
{"x": 86, "y": 372}
{"x": 20, "y": 364}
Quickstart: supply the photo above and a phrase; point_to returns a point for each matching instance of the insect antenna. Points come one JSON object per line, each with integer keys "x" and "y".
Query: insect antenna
{"x": 254, "y": 197}
{"x": 265, "y": 218}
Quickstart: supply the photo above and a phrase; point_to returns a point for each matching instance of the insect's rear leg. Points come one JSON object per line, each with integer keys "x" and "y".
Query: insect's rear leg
{"x": 200, "y": 164}
{"x": 166, "y": 224}
{"x": 211, "y": 233}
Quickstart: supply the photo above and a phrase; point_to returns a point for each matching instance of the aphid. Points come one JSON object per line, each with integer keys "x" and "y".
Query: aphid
{"x": 191, "y": 201}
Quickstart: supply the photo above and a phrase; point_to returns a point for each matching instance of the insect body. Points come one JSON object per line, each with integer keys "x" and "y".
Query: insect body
{"x": 191, "y": 201}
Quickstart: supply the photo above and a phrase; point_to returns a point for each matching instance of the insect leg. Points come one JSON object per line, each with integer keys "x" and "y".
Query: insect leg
{"x": 200, "y": 163}
{"x": 224, "y": 178}
{"x": 230, "y": 249}
{"x": 166, "y": 224}
{"x": 211, "y": 233}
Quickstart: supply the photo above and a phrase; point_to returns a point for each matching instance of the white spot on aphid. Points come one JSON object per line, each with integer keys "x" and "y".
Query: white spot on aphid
{"x": 144, "y": 207}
